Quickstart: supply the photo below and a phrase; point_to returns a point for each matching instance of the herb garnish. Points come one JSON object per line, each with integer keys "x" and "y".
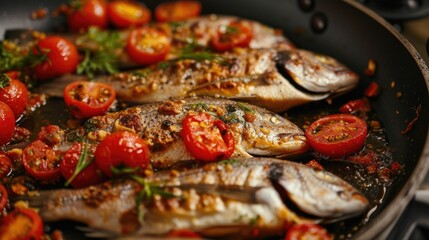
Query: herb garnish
{"x": 192, "y": 51}
{"x": 12, "y": 59}
{"x": 245, "y": 108}
{"x": 104, "y": 59}
{"x": 231, "y": 161}
{"x": 82, "y": 163}
{"x": 146, "y": 194}
{"x": 4, "y": 80}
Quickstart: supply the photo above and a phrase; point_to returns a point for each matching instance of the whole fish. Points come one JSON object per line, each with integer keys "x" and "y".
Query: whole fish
{"x": 225, "y": 199}
{"x": 256, "y": 131}
{"x": 196, "y": 32}
{"x": 276, "y": 80}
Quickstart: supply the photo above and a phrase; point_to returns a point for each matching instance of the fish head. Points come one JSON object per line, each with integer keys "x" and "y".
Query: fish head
{"x": 316, "y": 194}
{"x": 316, "y": 74}
{"x": 272, "y": 135}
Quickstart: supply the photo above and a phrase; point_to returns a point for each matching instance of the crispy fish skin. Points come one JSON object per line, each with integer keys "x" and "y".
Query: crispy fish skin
{"x": 224, "y": 199}
{"x": 256, "y": 131}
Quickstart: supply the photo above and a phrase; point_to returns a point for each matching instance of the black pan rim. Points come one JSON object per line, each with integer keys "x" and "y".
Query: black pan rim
{"x": 386, "y": 219}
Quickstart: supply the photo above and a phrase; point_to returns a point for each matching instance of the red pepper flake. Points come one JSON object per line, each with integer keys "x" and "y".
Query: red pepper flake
{"x": 367, "y": 159}
{"x": 372, "y": 90}
{"x": 361, "y": 105}
{"x": 411, "y": 124}
{"x": 314, "y": 164}
{"x": 39, "y": 14}
{"x": 372, "y": 169}
{"x": 395, "y": 167}
{"x": 370, "y": 70}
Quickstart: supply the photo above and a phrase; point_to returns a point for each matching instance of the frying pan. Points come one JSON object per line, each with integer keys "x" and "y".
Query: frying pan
{"x": 351, "y": 33}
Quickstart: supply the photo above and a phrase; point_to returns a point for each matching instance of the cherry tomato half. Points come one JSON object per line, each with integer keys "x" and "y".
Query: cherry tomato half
{"x": 62, "y": 57}
{"x": 122, "y": 149}
{"x": 3, "y": 197}
{"x": 124, "y": 14}
{"x": 88, "y": 13}
{"x": 235, "y": 34}
{"x": 5, "y": 166}
{"x": 89, "y": 176}
{"x": 87, "y": 99}
{"x": 337, "y": 135}
{"x": 14, "y": 94}
{"x": 7, "y": 123}
{"x": 207, "y": 138}
{"x": 41, "y": 161}
{"x": 177, "y": 11}
{"x": 147, "y": 45}
{"x": 22, "y": 223}
{"x": 307, "y": 231}
{"x": 183, "y": 233}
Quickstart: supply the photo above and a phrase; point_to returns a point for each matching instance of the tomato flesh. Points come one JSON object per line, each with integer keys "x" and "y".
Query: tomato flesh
{"x": 124, "y": 14}
{"x": 307, "y": 231}
{"x": 7, "y": 123}
{"x": 183, "y": 233}
{"x": 235, "y": 34}
{"x": 207, "y": 138}
{"x": 15, "y": 95}
{"x": 177, "y": 11}
{"x": 87, "y": 99}
{"x": 337, "y": 135}
{"x": 22, "y": 223}
{"x": 147, "y": 46}
{"x": 122, "y": 149}
{"x": 5, "y": 166}
{"x": 62, "y": 57}
{"x": 87, "y": 177}
{"x": 91, "y": 13}
{"x": 41, "y": 161}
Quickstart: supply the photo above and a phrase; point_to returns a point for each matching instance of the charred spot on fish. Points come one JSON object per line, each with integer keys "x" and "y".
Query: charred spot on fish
{"x": 166, "y": 124}
{"x": 94, "y": 197}
{"x": 306, "y": 5}
{"x": 91, "y": 125}
{"x": 131, "y": 121}
{"x": 275, "y": 172}
{"x": 318, "y": 22}
{"x": 281, "y": 62}
{"x": 230, "y": 108}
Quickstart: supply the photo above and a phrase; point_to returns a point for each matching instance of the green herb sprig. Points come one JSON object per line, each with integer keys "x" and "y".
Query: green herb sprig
{"x": 4, "y": 80}
{"x": 13, "y": 59}
{"x": 82, "y": 163}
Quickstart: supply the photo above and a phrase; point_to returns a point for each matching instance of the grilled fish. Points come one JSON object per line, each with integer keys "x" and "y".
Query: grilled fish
{"x": 196, "y": 32}
{"x": 224, "y": 199}
{"x": 256, "y": 131}
{"x": 276, "y": 80}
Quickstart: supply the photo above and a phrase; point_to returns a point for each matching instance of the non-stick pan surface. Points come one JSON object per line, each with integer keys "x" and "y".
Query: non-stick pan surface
{"x": 349, "y": 32}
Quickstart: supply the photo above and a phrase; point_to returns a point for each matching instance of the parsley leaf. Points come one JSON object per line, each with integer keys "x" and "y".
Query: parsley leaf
{"x": 4, "y": 80}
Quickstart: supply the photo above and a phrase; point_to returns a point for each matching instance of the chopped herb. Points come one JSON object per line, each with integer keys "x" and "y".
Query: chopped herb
{"x": 231, "y": 30}
{"x": 12, "y": 59}
{"x": 231, "y": 161}
{"x": 82, "y": 163}
{"x": 231, "y": 118}
{"x": 91, "y": 125}
{"x": 245, "y": 108}
{"x": 203, "y": 56}
{"x": 254, "y": 221}
{"x": 175, "y": 25}
{"x": 122, "y": 170}
{"x": 4, "y": 80}
{"x": 105, "y": 58}
{"x": 97, "y": 62}
{"x": 142, "y": 73}
{"x": 198, "y": 106}
{"x": 147, "y": 193}
{"x": 76, "y": 135}
{"x": 163, "y": 65}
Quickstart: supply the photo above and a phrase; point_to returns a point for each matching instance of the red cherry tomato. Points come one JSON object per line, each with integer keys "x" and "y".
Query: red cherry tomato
{"x": 62, "y": 57}
{"x": 122, "y": 149}
{"x": 22, "y": 223}
{"x": 207, "y": 138}
{"x": 5, "y": 166}
{"x": 51, "y": 135}
{"x": 87, "y": 177}
{"x": 41, "y": 161}
{"x": 87, "y": 99}
{"x": 307, "y": 231}
{"x": 372, "y": 90}
{"x": 147, "y": 45}
{"x": 86, "y": 14}
{"x": 124, "y": 14}
{"x": 183, "y": 233}
{"x": 337, "y": 135}
{"x": 14, "y": 93}
{"x": 3, "y": 197}
{"x": 177, "y": 11}
{"x": 236, "y": 34}
{"x": 7, "y": 123}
